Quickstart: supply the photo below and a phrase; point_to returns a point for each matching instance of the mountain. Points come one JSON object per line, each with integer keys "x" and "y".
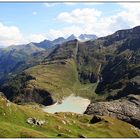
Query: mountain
{"x": 86, "y": 37}
{"x": 17, "y": 53}
{"x": 103, "y": 69}
{"x": 44, "y": 78}
{"x": 111, "y": 63}
{"x": 44, "y": 44}
{"x": 59, "y": 40}
{"x": 82, "y": 37}
{"x": 49, "y": 44}
{"x": 121, "y": 73}
{"x": 17, "y": 58}
{"x": 71, "y": 37}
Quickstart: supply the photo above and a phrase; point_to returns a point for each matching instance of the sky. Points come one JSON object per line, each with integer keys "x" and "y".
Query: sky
{"x": 22, "y": 23}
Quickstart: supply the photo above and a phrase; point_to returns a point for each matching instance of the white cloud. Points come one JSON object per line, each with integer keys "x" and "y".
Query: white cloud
{"x": 130, "y": 6}
{"x": 65, "y": 32}
{"x": 78, "y": 21}
{"x": 79, "y": 16}
{"x": 93, "y": 3}
{"x": 50, "y": 4}
{"x": 91, "y": 20}
{"x": 131, "y": 13}
{"x": 54, "y": 4}
{"x": 87, "y": 20}
{"x": 10, "y": 35}
{"x": 71, "y": 3}
{"x": 35, "y": 37}
{"x": 34, "y": 13}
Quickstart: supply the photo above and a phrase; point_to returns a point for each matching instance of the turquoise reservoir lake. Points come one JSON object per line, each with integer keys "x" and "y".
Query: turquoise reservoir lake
{"x": 72, "y": 103}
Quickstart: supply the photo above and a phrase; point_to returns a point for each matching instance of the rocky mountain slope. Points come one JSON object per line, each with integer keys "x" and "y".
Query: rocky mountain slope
{"x": 109, "y": 66}
{"x": 56, "y": 76}
{"x": 126, "y": 109}
{"x": 120, "y": 75}
{"x": 16, "y": 58}
{"x": 81, "y": 38}
{"x": 86, "y": 37}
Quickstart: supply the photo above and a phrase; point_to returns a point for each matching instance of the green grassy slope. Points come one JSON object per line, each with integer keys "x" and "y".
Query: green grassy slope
{"x": 60, "y": 79}
{"x": 58, "y": 75}
{"x": 13, "y": 124}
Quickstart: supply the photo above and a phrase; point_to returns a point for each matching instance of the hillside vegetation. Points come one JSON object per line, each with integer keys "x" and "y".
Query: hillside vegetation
{"x": 13, "y": 120}
{"x": 57, "y": 79}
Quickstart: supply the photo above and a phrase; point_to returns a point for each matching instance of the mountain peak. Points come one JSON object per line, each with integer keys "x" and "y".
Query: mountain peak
{"x": 86, "y": 37}
{"x": 82, "y": 37}
{"x": 58, "y": 40}
{"x": 71, "y": 37}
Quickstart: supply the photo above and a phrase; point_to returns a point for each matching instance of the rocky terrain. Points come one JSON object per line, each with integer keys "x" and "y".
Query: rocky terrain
{"x": 126, "y": 109}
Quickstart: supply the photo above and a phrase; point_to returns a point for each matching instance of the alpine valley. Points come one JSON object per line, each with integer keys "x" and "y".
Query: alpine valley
{"x": 104, "y": 70}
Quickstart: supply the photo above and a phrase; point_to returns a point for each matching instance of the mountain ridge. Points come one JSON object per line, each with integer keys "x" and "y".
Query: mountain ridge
{"x": 105, "y": 70}
{"x": 105, "y": 58}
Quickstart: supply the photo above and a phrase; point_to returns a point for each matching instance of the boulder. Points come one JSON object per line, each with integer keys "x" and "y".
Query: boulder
{"x": 95, "y": 119}
{"x": 35, "y": 121}
{"x": 126, "y": 109}
{"x": 31, "y": 121}
{"x": 81, "y": 136}
{"x": 59, "y": 135}
{"x": 63, "y": 122}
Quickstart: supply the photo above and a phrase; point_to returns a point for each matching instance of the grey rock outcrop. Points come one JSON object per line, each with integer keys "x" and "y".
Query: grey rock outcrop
{"x": 35, "y": 121}
{"x": 126, "y": 109}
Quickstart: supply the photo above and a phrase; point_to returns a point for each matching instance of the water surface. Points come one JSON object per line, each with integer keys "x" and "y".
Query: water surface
{"x": 70, "y": 104}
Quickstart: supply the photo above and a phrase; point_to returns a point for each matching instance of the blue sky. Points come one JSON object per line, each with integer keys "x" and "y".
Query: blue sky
{"x": 25, "y": 22}
{"x": 21, "y": 14}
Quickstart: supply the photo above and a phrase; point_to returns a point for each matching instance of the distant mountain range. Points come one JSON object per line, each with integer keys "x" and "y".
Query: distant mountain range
{"x": 105, "y": 61}
{"x": 12, "y": 57}
{"x": 82, "y": 37}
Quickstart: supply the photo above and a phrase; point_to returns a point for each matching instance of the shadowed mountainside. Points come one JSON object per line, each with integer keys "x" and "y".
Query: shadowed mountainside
{"x": 108, "y": 66}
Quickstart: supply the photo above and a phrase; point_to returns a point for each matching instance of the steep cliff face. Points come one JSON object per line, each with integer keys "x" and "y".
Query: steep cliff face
{"x": 34, "y": 95}
{"x": 120, "y": 75}
{"x": 19, "y": 91}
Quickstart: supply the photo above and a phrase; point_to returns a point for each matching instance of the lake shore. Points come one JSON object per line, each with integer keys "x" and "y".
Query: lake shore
{"x": 72, "y": 103}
